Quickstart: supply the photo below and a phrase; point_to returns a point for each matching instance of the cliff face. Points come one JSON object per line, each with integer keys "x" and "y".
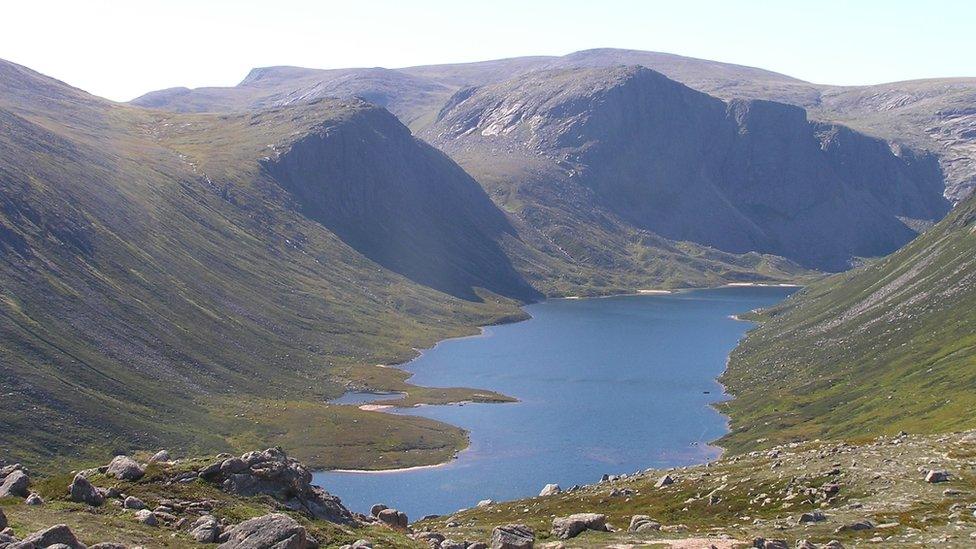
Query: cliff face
{"x": 409, "y": 207}
{"x": 742, "y": 176}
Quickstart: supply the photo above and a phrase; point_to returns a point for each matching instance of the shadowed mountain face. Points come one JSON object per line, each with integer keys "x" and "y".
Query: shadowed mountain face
{"x": 162, "y": 273}
{"x": 739, "y": 176}
{"x": 415, "y": 212}
{"x": 928, "y": 115}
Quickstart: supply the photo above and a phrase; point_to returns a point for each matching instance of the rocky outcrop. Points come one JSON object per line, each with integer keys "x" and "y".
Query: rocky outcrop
{"x": 550, "y": 490}
{"x": 273, "y": 473}
{"x": 574, "y": 525}
{"x": 393, "y": 518}
{"x": 512, "y": 536}
{"x": 643, "y": 523}
{"x": 206, "y": 529}
{"x": 275, "y": 531}
{"x": 160, "y": 456}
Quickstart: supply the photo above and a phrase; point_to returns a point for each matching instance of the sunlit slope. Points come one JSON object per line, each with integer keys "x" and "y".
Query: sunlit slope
{"x": 885, "y": 348}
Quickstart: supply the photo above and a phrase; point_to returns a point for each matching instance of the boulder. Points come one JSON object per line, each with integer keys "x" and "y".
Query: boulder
{"x": 82, "y": 491}
{"x": 486, "y": 502}
{"x": 54, "y": 535}
{"x": 125, "y": 468}
{"x": 805, "y": 544}
{"x": 478, "y": 545}
{"x": 361, "y": 544}
{"x": 666, "y": 480}
{"x": 107, "y": 545}
{"x": 147, "y": 517}
{"x": 133, "y": 502}
{"x": 550, "y": 490}
{"x": 937, "y": 476}
{"x": 643, "y": 523}
{"x": 3, "y": 520}
{"x": 160, "y": 456}
{"x": 34, "y": 499}
{"x": 15, "y": 484}
{"x": 393, "y": 518}
{"x": 375, "y": 510}
{"x": 813, "y": 516}
{"x": 574, "y": 525}
{"x": 233, "y": 465}
{"x": 206, "y": 529}
{"x": 274, "y": 531}
{"x": 512, "y": 536}
{"x": 453, "y": 544}
{"x": 856, "y": 526}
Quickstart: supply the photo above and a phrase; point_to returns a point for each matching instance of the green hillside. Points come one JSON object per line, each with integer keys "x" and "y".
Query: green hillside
{"x": 889, "y": 347}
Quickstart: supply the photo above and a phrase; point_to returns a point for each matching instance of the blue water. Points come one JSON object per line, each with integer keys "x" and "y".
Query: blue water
{"x": 610, "y": 385}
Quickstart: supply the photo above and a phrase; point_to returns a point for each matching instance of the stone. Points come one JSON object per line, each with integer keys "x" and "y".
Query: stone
{"x": 775, "y": 544}
{"x": 393, "y": 518}
{"x": 82, "y": 491}
{"x": 3, "y": 520}
{"x": 107, "y": 545}
{"x": 813, "y": 516}
{"x": 478, "y": 545}
{"x": 206, "y": 529}
{"x": 643, "y": 523}
{"x": 59, "y": 534}
{"x": 274, "y": 531}
{"x": 666, "y": 480}
{"x": 375, "y": 510}
{"x": 573, "y": 525}
{"x": 361, "y": 544}
{"x": 133, "y": 502}
{"x": 805, "y": 544}
{"x": 147, "y": 517}
{"x": 125, "y": 468}
{"x": 453, "y": 544}
{"x": 833, "y": 544}
{"x": 486, "y": 502}
{"x": 159, "y": 457}
{"x": 512, "y": 536}
{"x": 15, "y": 484}
{"x": 550, "y": 490}
{"x": 233, "y": 465}
{"x": 937, "y": 476}
{"x": 34, "y": 499}
{"x": 857, "y": 526}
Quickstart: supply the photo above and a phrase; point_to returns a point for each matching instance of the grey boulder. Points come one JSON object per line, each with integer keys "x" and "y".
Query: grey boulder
{"x": 82, "y": 491}
{"x": 393, "y": 518}
{"x": 574, "y": 525}
{"x": 15, "y": 484}
{"x": 512, "y": 536}
{"x": 274, "y": 531}
{"x": 53, "y": 536}
{"x": 206, "y": 529}
{"x": 159, "y": 456}
{"x": 550, "y": 490}
{"x": 125, "y": 468}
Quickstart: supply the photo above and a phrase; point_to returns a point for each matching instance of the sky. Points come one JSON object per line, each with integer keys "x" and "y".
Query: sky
{"x": 122, "y": 49}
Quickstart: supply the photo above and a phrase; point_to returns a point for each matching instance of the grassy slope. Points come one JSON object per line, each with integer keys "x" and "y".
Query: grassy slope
{"x": 888, "y": 347}
{"x": 159, "y": 291}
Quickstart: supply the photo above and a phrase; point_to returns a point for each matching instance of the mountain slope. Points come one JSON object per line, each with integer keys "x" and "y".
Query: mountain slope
{"x": 660, "y": 157}
{"x": 161, "y": 284}
{"x": 885, "y": 348}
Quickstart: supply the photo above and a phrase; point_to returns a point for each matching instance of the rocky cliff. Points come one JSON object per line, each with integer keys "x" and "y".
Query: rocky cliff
{"x": 739, "y": 176}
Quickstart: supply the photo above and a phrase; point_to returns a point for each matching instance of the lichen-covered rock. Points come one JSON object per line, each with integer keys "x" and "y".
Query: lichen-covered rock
{"x": 550, "y": 490}
{"x": 937, "y": 476}
{"x": 147, "y": 517}
{"x": 15, "y": 484}
{"x": 393, "y": 518}
{"x": 82, "y": 491}
{"x": 274, "y": 531}
{"x": 34, "y": 499}
{"x": 573, "y": 525}
{"x": 643, "y": 523}
{"x": 512, "y": 536}
{"x": 133, "y": 502}
{"x": 159, "y": 457}
{"x": 59, "y": 534}
{"x": 125, "y": 468}
{"x": 206, "y": 529}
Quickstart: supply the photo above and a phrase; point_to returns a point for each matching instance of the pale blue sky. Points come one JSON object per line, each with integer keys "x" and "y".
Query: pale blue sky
{"x": 121, "y": 49}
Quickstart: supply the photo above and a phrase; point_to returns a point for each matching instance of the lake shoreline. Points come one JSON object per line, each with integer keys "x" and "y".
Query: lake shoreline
{"x": 485, "y": 331}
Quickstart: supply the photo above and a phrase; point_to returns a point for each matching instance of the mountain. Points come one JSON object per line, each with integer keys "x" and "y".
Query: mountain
{"x": 653, "y": 154}
{"x": 933, "y": 115}
{"x": 885, "y": 348}
{"x": 202, "y": 281}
